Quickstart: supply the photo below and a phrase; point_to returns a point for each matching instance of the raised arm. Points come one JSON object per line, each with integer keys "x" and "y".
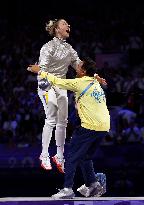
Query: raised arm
{"x": 75, "y": 60}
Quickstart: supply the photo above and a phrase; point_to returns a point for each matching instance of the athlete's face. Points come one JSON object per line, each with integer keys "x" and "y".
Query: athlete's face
{"x": 63, "y": 29}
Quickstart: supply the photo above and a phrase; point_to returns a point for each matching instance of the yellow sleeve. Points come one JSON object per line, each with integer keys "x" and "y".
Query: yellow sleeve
{"x": 66, "y": 84}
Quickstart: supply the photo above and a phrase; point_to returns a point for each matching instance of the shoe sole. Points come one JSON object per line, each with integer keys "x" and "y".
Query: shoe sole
{"x": 46, "y": 168}
{"x": 58, "y": 166}
{"x": 99, "y": 194}
{"x": 65, "y": 197}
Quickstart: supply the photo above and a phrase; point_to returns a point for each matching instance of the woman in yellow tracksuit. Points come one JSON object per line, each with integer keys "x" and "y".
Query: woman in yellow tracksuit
{"x": 95, "y": 123}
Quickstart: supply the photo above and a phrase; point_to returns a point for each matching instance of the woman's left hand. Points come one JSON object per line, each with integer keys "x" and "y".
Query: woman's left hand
{"x": 100, "y": 80}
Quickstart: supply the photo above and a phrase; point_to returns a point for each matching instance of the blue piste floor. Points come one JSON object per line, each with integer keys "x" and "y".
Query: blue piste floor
{"x": 75, "y": 201}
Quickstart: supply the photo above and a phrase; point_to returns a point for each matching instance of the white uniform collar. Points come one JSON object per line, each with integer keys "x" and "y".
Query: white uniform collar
{"x": 59, "y": 39}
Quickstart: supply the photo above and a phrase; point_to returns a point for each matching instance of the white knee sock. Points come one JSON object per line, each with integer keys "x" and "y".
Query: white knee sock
{"x": 60, "y": 135}
{"x": 46, "y": 138}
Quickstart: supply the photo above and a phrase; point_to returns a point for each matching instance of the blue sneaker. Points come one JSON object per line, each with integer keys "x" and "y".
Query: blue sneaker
{"x": 101, "y": 178}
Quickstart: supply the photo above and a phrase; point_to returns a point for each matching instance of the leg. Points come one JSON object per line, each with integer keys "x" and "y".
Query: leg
{"x": 87, "y": 164}
{"x": 50, "y": 121}
{"x": 81, "y": 141}
{"x": 60, "y": 133}
{"x": 88, "y": 172}
{"x": 92, "y": 186}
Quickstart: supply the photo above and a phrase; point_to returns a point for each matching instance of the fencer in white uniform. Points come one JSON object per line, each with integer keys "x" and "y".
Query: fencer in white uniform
{"x": 55, "y": 57}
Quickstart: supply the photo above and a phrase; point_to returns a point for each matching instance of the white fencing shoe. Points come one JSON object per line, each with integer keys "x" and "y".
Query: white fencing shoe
{"x": 45, "y": 162}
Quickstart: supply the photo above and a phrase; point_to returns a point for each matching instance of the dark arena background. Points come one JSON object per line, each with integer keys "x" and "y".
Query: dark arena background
{"x": 111, "y": 33}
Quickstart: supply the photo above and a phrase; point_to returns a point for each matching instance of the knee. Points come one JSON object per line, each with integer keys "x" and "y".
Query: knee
{"x": 50, "y": 122}
{"x": 62, "y": 120}
{"x": 62, "y": 123}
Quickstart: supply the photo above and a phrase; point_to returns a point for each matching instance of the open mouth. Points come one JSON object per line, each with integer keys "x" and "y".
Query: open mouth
{"x": 68, "y": 31}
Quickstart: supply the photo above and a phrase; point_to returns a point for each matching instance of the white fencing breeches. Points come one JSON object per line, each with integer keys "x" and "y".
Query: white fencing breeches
{"x": 55, "y": 103}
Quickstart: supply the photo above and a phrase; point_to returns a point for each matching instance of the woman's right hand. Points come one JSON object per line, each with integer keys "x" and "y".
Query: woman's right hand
{"x": 33, "y": 68}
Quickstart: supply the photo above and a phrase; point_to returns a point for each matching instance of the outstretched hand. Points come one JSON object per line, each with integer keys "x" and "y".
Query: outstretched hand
{"x": 33, "y": 68}
{"x": 100, "y": 80}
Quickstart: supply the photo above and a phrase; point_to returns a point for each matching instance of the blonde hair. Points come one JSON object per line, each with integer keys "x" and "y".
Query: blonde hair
{"x": 51, "y": 25}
